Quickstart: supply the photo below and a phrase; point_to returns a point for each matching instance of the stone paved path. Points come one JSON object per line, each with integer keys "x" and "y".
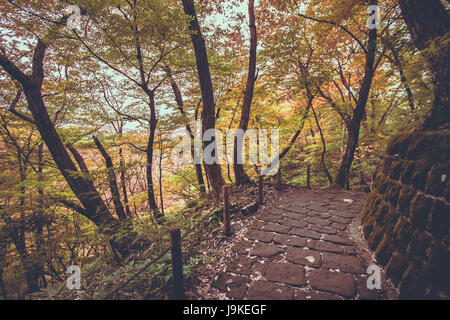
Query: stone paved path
{"x": 309, "y": 247}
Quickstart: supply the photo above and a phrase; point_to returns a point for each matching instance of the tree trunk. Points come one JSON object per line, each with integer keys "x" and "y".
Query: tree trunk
{"x": 180, "y": 103}
{"x": 149, "y": 166}
{"x": 208, "y": 113}
{"x": 324, "y": 150}
{"x": 123, "y": 183}
{"x": 38, "y": 217}
{"x": 429, "y": 25}
{"x": 95, "y": 208}
{"x": 111, "y": 180}
{"x": 239, "y": 172}
{"x": 18, "y": 236}
{"x": 353, "y": 129}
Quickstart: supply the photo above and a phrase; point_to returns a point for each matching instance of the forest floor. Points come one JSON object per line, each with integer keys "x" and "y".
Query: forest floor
{"x": 308, "y": 244}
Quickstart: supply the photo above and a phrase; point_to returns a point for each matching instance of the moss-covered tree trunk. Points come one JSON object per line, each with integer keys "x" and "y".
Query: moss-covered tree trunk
{"x": 429, "y": 26}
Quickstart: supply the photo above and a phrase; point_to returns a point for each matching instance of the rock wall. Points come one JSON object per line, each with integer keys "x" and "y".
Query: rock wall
{"x": 407, "y": 217}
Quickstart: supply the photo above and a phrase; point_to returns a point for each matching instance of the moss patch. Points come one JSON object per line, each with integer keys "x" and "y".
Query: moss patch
{"x": 384, "y": 250}
{"x": 403, "y": 231}
{"x": 404, "y": 199}
{"x": 420, "y": 209}
{"x": 438, "y": 179}
{"x": 399, "y": 144}
{"x": 396, "y": 267}
{"x": 440, "y": 219}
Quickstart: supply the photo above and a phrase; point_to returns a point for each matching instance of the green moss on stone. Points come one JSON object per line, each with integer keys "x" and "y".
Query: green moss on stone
{"x": 412, "y": 286}
{"x": 404, "y": 199}
{"x": 407, "y": 172}
{"x": 399, "y": 144}
{"x": 419, "y": 177}
{"x": 387, "y": 164}
{"x": 384, "y": 185}
{"x": 430, "y": 146}
{"x": 390, "y": 220}
{"x": 438, "y": 179}
{"x": 420, "y": 209}
{"x": 396, "y": 267}
{"x": 418, "y": 246}
{"x": 440, "y": 219}
{"x": 392, "y": 195}
{"x": 418, "y": 147}
{"x": 396, "y": 169}
{"x": 403, "y": 231}
{"x": 375, "y": 236}
{"x": 380, "y": 212}
{"x": 384, "y": 250}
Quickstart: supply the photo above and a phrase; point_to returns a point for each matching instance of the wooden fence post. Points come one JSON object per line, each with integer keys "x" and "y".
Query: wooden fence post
{"x": 279, "y": 177}
{"x": 308, "y": 176}
{"x": 260, "y": 190}
{"x": 226, "y": 210}
{"x": 177, "y": 264}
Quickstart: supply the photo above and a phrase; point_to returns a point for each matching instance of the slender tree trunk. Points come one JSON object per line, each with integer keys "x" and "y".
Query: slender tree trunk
{"x": 429, "y": 25}
{"x": 399, "y": 66}
{"x": 353, "y": 130}
{"x": 296, "y": 134}
{"x": 239, "y": 172}
{"x": 123, "y": 183}
{"x": 180, "y": 103}
{"x": 112, "y": 181}
{"x": 18, "y": 236}
{"x": 324, "y": 150}
{"x": 38, "y": 218}
{"x": 149, "y": 166}
{"x": 208, "y": 113}
{"x": 160, "y": 174}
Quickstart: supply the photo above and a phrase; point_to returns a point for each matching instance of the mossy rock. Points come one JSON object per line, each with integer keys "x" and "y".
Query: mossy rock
{"x": 390, "y": 221}
{"x": 399, "y": 144}
{"x": 396, "y": 169}
{"x": 380, "y": 212}
{"x": 387, "y": 164}
{"x": 375, "y": 236}
{"x": 404, "y": 199}
{"x": 440, "y": 219}
{"x": 378, "y": 180}
{"x": 367, "y": 227}
{"x": 407, "y": 172}
{"x": 403, "y": 231}
{"x": 419, "y": 177}
{"x": 419, "y": 244}
{"x": 373, "y": 202}
{"x": 436, "y": 268}
{"x": 447, "y": 192}
{"x": 438, "y": 180}
{"x": 420, "y": 209}
{"x": 384, "y": 250}
{"x": 430, "y": 146}
{"x": 384, "y": 186}
{"x": 412, "y": 286}
{"x": 396, "y": 267}
{"x": 392, "y": 195}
